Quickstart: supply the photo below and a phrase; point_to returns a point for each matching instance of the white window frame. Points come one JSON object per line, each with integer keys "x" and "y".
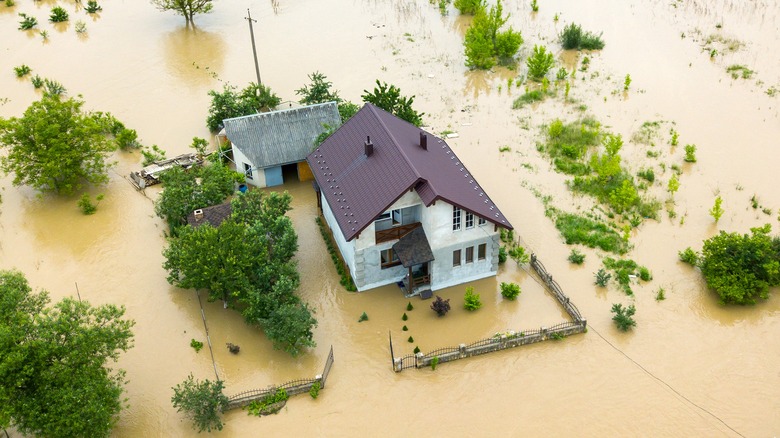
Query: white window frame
{"x": 456, "y": 215}
{"x": 482, "y": 221}
{"x": 469, "y": 220}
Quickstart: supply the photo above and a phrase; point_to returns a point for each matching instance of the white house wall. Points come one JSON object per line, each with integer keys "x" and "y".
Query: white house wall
{"x": 347, "y": 248}
{"x": 258, "y": 175}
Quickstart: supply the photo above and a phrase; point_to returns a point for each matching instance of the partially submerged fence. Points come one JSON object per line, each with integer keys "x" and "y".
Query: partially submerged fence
{"x": 297, "y": 386}
{"x": 502, "y": 341}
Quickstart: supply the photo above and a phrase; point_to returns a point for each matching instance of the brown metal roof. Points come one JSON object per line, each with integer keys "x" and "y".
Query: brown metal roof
{"x": 359, "y": 187}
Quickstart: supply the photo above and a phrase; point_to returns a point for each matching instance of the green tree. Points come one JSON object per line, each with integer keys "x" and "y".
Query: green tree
{"x": 232, "y": 103}
{"x": 53, "y": 375}
{"x": 624, "y": 196}
{"x": 186, "y": 8}
{"x": 674, "y": 185}
{"x": 540, "y": 63}
{"x": 198, "y": 187}
{"x": 607, "y": 165}
{"x": 623, "y": 316}
{"x": 289, "y": 326}
{"x": 201, "y": 401}
{"x": 56, "y": 147}
{"x": 318, "y": 91}
{"x": 389, "y": 98}
{"x": 485, "y": 45}
{"x": 741, "y": 268}
{"x": 469, "y": 7}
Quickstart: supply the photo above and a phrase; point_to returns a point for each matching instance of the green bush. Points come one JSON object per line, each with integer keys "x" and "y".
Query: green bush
{"x": 469, "y": 7}
{"x": 576, "y": 257}
{"x": 644, "y": 274}
{"x": 690, "y": 153}
{"x": 485, "y": 45}
{"x": 539, "y": 63}
{"x": 22, "y": 70}
{"x": 258, "y": 407}
{"x": 510, "y": 291}
{"x": 314, "y": 391}
{"x": 471, "y": 301}
{"x": 689, "y": 256}
{"x": 602, "y": 277}
{"x": 623, "y": 316}
{"x": 416, "y": 349}
{"x": 410, "y": 340}
{"x": 591, "y": 233}
{"x": 363, "y": 317}
{"x": 404, "y": 317}
{"x": 197, "y": 345}
{"x": 573, "y": 37}
{"x": 405, "y": 328}
{"x": 646, "y": 174}
{"x": 519, "y": 255}
{"x": 93, "y": 7}
{"x": 502, "y": 255}
{"x": 28, "y": 21}
{"x": 58, "y": 15}
{"x": 434, "y": 362}
{"x": 86, "y": 206}
{"x": 409, "y": 307}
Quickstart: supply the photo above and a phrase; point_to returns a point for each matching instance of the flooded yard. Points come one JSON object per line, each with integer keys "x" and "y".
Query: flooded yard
{"x": 691, "y": 367}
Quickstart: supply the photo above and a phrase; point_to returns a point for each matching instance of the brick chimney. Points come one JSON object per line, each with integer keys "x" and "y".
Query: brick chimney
{"x": 423, "y": 140}
{"x": 369, "y": 146}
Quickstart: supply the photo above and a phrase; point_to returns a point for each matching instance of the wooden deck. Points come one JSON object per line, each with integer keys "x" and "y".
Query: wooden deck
{"x": 150, "y": 175}
{"x": 395, "y": 233}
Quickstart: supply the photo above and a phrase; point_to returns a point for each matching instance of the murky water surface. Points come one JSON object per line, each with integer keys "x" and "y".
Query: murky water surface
{"x": 713, "y": 368}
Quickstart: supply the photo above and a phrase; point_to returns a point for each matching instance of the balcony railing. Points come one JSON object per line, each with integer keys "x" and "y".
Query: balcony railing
{"x": 395, "y": 233}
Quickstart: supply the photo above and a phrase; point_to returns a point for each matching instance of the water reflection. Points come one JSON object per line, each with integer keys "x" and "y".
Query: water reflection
{"x": 193, "y": 55}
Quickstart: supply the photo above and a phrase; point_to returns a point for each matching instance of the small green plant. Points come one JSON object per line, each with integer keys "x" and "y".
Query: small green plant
{"x": 626, "y": 82}
{"x": 9, "y": 3}
{"x": 754, "y": 202}
{"x": 404, "y": 317}
{"x": 28, "y": 21}
{"x": 405, "y": 328}
{"x": 93, "y": 7}
{"x": 713, "y": 53}
{"x": 647, "y": 175}
{"x": 539, "y": 63}
{"x": 573, "y": 37}
{"x": 623, "y": 316}
{"x": 717, "y": 210}
{"x": 690, "y": 153}
{"x": 504, "y": 149}
{"x": 674, "y": 185}
{"x": 197, "y": 345}
{"x": 37, "y": 81}
{"x": 576, "y": 257}
{"x": 566, "y": 90}
{"x": 363, "y": 317}
{"x": 151, "y": 155}
{"x": 314, "y": 391}
{"x": 53, "y": 87}
{"x": 644, "y": 274}
{"x": 410, "y": 340}
{"x": 22, "y": 70}
{"x": 534, "y": 6}
{"x": 510, "y": 291}
{"x": 443, "y": 7}
{"x": 502, "y": 255}
{"x": 602, "y": 277}
{"x": 556, "y": 17}
{"x": 434, "y": 362}
{"x": 556, "y": 336}
{"x": 471, "y": 300}
{"x": 86, "y": 205}
{"x": 81, "y": 27}
{"x": 660, "y": 295}
{"x": 44, "y": 35}
{"x": 440, "y": 305}
{"x": 689, "y": 256}
{"x": 58, "y": 15}
{"x": 519, "y": 255}
{"x": 409, "y": 306}
{"x": 260, "y": 407}
{"x": 675, "y": 137}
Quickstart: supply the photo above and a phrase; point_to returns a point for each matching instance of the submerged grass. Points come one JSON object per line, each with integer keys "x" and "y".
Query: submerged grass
{"x": 589, "y": 232}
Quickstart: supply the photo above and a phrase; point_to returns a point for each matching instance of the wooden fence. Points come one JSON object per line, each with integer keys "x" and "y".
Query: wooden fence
{"x": 502, "y": 341}
{"x": 297, "y": 386}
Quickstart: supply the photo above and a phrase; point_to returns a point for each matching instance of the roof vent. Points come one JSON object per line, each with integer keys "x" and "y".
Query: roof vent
{"x": 198, "y": 213}
{"x": 369, "y": 146}
{"x": 423, "y": 141}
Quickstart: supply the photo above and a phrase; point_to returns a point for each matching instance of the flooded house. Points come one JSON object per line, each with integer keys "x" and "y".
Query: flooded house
{"x": 271, "y": 147}
{"x": 402, "y": 207}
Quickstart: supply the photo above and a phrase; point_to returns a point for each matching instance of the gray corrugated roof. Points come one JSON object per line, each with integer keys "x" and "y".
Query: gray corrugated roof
{"x": 280, "y": 137}
{"x": 358, "y": 187}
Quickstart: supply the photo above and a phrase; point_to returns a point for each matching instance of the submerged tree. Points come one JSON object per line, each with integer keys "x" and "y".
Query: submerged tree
{"x": 389, "y": 98}
{"x": 186, "y": 8}
{"x": 485, "y": 45}
{"x": 202, "y": 402}
{"x": 232, "y": 103}
{"x": 56, "y": 147}
{"x": 54, "y": 378}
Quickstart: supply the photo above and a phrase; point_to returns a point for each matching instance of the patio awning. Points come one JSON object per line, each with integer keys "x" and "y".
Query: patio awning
{"x": 413, "y": 248}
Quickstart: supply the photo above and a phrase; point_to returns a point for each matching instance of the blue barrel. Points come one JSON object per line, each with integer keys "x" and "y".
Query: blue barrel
{"x": 242, "y": 188}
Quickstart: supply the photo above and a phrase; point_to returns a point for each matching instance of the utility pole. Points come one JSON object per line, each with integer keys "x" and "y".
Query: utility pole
{"x": 254, "y": 49}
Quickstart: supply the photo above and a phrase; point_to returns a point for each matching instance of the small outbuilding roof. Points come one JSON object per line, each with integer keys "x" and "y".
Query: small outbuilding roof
{"x": 375, "y": 157}
{"x": 214, "y": 215}
{"x": 413, "y": 248}
{"x": 281, "y": 137}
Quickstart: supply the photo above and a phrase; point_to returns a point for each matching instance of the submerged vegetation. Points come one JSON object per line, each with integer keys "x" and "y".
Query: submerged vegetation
{"x": 573, "y": 37}
{"x": 485, "y": 43}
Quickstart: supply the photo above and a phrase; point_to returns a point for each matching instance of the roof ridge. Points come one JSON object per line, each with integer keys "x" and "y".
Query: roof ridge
{"x": 286, "y": 110}
{"x": 389, "y": 132}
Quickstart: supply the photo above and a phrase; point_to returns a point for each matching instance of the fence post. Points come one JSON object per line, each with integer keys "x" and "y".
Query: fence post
{"x": 462, "y": 350}
{"x": 418, "y": 358}
{"x": 397, "y": 366}
{"x": 543, "y": 332}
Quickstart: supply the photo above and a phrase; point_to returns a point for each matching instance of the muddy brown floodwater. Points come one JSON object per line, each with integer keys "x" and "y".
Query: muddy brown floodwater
{"x": 690, "y": 368}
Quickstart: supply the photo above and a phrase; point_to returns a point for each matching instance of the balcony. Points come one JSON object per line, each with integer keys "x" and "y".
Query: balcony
{"x": 395, "y": 233}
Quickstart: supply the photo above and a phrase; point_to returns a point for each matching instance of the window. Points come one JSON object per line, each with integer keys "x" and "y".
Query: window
{"x": 388, "y": 258}
{"x": 481, "y": 250}
{"x": 455, "y": 218}
{"x": 469, "y": 220}
{"x": 392, "y": 216}
{"x": 248, "y": 170}
{"x": 456, "y": 257}
{"x": 482, "y": 221}
{"x": 470, "y": 254}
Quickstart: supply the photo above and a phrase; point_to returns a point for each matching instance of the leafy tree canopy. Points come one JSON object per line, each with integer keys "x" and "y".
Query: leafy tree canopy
{"x": 53, "y": 375}
{"x": 56, "y": 147}
{"x": 389, "y": 99}
{"x": 233, "y": 103}
{"x": 186, "y": 8}
{"x": 485, "y": 45}
{"x": 248, "y": 262}
{"x": 198, "y": 187}
{"x": 202, "y": 402}
{"x": 318, "y": 91}
{"x": 741, "y": 268}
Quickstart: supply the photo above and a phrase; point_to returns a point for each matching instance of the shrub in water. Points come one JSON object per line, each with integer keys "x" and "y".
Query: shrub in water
{"x": 363, "y": 317}
{"x": 93, "y": 7}
{"x": 440, "y": 306}
{"x": 623, "y": 316}
{"x": 539, "y": 63}
{"x": 501, "y": 255}
{"x": 510, "y": 291}
{"x": 602, "y": 277}
{"x": 409, "y": 307}
{"x": 416, "y": 349}
{"x": 645, "y": 274}
{"x": 573, "y": 37}
{"x": 405, "y": 328}
{"x": 314, "y": 392}
{"x": 197, "y": 345}
{"x": 22, "y": 70}
{"x": 576, "y": 257}
{"x": 404, "y": 318}
{"x": 689, "y": 256}
{"x": 28, "y": 22}
{"x": 690, "y": 153}
{"x": 434, "y": 362}
{"x": 471, "y": 300}
{"x": 58, "y": 15}
{"x": 411, "y": 340}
